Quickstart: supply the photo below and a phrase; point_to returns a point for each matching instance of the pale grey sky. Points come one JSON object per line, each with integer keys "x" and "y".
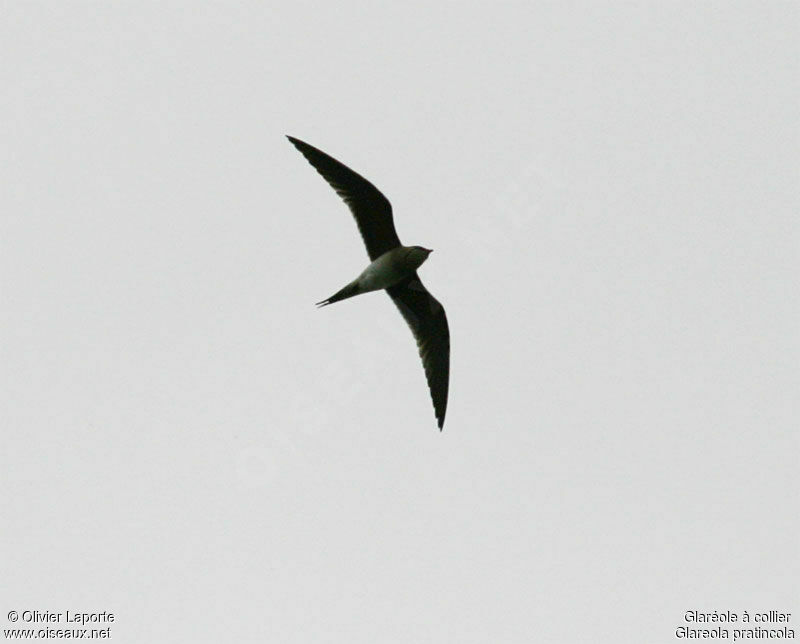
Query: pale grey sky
{"x": 612, "y": 193}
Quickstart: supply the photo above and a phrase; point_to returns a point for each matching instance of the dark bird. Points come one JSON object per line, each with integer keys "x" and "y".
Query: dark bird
{"x": 393, "y": 268}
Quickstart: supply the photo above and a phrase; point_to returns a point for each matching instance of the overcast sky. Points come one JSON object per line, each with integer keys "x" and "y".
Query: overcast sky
{"x": 612, "y": 193}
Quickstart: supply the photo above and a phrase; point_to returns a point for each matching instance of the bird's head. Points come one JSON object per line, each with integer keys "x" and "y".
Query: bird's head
{"x": 417, "y": 255}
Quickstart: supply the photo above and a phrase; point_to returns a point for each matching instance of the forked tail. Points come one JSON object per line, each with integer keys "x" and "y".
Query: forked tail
{"x": 348, "y": 291}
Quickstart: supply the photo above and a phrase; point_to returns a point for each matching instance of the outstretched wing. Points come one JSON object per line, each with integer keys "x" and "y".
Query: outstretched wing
{"x": 372, "y": 211}
{"x": 428, "y": 322}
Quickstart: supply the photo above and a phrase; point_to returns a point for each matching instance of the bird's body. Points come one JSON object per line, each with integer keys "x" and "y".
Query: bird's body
{"x": 387, "y": 270}
{"x": 393, "y": 267}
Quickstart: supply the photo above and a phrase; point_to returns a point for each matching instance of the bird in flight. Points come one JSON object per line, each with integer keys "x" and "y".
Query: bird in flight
{"x": 393, "y": 268}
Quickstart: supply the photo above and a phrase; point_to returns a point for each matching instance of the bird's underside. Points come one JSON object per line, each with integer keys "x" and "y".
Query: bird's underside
{"x": 422, "y": 312}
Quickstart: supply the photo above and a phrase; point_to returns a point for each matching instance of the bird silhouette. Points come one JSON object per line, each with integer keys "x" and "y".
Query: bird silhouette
{"x": 393, "y": 268}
